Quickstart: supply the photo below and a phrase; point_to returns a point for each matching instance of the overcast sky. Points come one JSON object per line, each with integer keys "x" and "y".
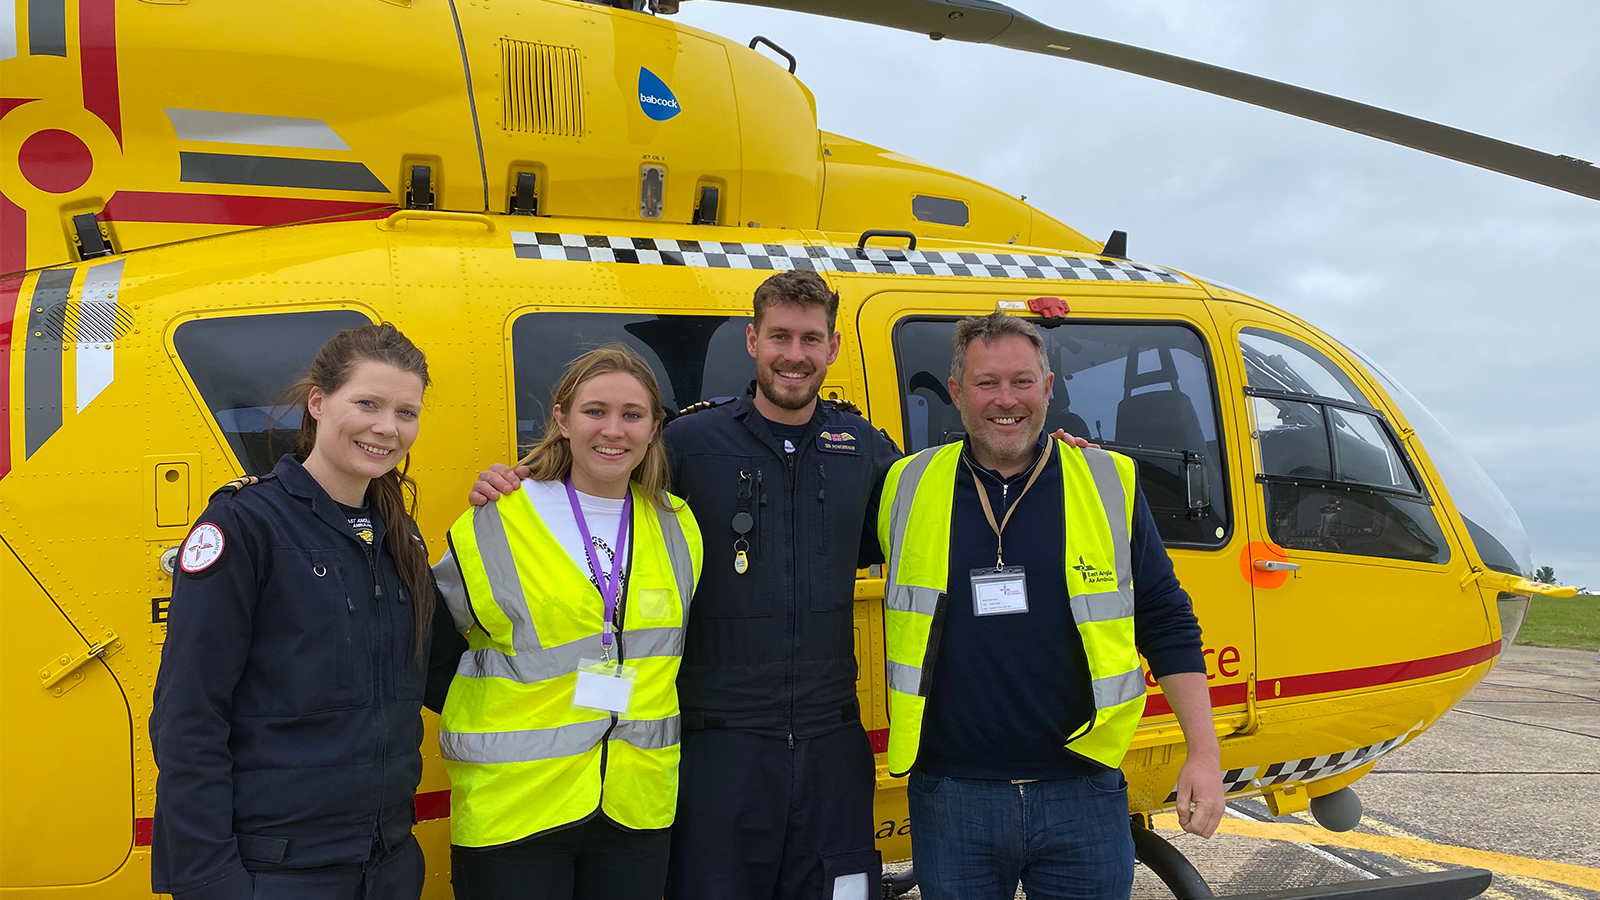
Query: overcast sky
{"x": 1479, "y": 293}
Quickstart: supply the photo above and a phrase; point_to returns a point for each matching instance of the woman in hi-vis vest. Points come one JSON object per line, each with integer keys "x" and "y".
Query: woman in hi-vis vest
{"x": 561, "y": 730}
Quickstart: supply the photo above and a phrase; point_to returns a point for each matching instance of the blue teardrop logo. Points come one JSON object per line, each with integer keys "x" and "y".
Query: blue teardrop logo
{"x": 655, "y": 98}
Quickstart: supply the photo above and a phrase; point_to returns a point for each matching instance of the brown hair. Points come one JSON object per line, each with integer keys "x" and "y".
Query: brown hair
{"x": 551, "y": 456}
{"x": 989, "y": 329}
{"x": 394, "y": 493}
{"x": 800, "y": 288}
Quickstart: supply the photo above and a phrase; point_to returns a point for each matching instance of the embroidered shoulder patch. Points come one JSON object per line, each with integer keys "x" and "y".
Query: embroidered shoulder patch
{"x": 202, "y": 548}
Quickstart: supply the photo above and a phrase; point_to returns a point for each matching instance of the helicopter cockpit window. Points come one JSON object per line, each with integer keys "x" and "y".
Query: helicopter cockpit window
{"x": 242, "y": 365}
{"x": 1145, "y": 390}
{"x": 1335, "y": 477}
{"x": 694, "y": 357}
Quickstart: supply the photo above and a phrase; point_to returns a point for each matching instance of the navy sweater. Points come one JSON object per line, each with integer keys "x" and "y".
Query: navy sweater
{"x": 1009, "y": 689}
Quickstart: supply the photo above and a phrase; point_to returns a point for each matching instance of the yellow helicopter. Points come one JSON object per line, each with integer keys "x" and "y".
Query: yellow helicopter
{"x": 197, "y": 195}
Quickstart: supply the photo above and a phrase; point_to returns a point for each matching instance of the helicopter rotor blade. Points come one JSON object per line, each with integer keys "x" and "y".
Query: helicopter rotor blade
{"x": 983, "y": 22}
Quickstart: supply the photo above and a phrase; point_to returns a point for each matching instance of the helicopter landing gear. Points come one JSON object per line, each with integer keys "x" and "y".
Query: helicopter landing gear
{"x": 897, "y": 883}
{"x": 1171, "y": 866}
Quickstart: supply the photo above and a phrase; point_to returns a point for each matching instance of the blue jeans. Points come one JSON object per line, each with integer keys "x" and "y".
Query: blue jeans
{"x": 1063, "y": 839}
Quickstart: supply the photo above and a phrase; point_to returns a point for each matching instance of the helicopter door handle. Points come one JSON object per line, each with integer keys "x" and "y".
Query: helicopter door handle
{"x": 1273, "y": 565}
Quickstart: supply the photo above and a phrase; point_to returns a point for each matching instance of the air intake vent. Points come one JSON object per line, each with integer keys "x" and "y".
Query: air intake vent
{"x": 542, "y": 88}
{"x": 91, "y": 321}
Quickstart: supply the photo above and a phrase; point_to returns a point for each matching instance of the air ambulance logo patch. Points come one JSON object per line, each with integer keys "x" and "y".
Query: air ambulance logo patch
{"x": 842, "y": 441}
{"x": 202, "y": 548}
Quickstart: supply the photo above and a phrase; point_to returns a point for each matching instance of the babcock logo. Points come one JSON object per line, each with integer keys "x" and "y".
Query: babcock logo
{"x": 655, "y": 98}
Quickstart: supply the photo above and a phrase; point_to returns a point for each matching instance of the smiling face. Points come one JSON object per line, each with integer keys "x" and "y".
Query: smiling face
{"x": 793, "y": 350}
{"x": 1002, "y": 395}
{"x": 609, "y": 425}
{"x": 364, "y": 428}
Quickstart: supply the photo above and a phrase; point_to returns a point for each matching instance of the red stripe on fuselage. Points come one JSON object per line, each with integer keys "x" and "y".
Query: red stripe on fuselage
{"x": 1372, "y": 676}
{"x": 13, "y": 236}
{"x": 10, "y": 288}
{"x": 226, "y": 209}
{"x": 1343, "y": 680}
{"x": 97, "y": 53}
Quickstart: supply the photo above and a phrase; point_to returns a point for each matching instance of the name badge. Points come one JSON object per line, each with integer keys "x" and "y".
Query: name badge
{"x": 999, "y": 593}
{"x": 604, "y": 686}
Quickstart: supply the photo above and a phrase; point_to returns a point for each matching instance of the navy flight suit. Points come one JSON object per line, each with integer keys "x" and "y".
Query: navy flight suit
{"x": 286, "y": 722}
{"x": 777, "y": 777}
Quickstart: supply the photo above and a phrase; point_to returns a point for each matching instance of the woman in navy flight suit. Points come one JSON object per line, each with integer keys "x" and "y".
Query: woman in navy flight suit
{"x": 287, "y": 718}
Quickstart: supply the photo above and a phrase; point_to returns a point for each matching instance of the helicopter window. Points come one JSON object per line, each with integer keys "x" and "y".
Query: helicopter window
{"x": 1144, "y": 390}
{"x": 242, "y": 366}
{"x": 694, "y": 357}
{"x": 1277, "y": 362}
{"x": 1334, "y": 475}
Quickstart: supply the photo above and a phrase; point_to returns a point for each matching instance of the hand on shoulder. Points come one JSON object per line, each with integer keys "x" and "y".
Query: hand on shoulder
{"x": 499, "y": 480}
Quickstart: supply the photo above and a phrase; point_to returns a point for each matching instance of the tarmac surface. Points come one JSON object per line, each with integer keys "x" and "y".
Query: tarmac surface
{"x": 1508, "y": 781}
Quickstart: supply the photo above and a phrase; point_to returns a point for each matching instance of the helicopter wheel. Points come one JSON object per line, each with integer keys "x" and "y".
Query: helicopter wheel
{"x": 897, "y": 883}
{"x": 1170, "y": 865}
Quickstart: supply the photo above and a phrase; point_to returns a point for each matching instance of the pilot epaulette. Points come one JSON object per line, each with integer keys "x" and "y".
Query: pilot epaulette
{"x": 240, "y": 483}
{"x": 842, "y": 404}
{"x": 698, "y": 407}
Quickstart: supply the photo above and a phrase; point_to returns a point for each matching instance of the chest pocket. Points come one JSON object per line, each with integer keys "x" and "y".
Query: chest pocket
{"x": 308, "y": 642}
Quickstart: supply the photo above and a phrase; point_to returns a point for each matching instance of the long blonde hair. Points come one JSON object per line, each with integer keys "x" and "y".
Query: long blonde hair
{"x": 551, "y": 456}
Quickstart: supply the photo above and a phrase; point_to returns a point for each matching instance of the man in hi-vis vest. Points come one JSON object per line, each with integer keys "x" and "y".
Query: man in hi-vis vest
{"x": 1025, "y": 577}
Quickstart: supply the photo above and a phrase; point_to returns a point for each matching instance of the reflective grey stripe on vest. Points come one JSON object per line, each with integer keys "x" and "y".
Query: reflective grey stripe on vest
{"x": 543, "y": 665}
{"x": 903, "y": 678}
{"x": 678, "y": 553}
{"x": 494, "y": 552}
{"x": 1102, "y": 607}
{"x": 522, "y": 746}
{"x": 1107, "y": 606}
{"x": 900, "y": 597}
{"x": 1109, "y": 485}
{"x": 1114, "y": 690}
{"x": 909, "y": 598}
{"x": 649, "y": 734}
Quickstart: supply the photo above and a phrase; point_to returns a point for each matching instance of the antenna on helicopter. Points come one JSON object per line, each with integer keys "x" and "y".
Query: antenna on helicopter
{"x": 1116, "y": 246}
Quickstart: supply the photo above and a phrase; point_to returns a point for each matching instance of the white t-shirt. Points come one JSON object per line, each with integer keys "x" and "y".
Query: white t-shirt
{"x": 550, "y": 500}
{"x": 600, "y": 513}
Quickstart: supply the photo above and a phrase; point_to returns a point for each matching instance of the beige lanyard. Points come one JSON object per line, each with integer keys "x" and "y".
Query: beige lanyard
{"x": 988, "y": 511}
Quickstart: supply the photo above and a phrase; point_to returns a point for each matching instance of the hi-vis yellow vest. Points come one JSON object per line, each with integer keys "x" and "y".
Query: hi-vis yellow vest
{"x": 521, "y": 759}
{"x": 914, "y": 530}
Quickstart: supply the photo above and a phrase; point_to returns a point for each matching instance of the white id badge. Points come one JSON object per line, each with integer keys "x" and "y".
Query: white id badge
{"x": 999, "y": 593}
{"x": 604, "y": 686}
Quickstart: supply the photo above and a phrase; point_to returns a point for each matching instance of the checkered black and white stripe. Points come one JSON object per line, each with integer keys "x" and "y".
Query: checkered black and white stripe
{"x": 1252, "y": 778}
{"x": 783, "y": 257}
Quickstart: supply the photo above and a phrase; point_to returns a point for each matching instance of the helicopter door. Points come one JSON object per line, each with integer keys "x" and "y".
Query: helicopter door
{"x": 66, "y": 749}
{"x": 1356, "y": 579}
{"x": 1145, "y": 387}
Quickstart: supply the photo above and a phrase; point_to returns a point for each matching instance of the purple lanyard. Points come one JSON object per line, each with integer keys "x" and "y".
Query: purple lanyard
{"x": 612, "y": 586}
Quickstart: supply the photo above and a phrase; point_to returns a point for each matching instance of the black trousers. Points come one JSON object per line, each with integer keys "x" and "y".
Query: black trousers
{"x": 759, "y": 820}
{"x": 593, "y": 860}
{"x": 390, "y": 875}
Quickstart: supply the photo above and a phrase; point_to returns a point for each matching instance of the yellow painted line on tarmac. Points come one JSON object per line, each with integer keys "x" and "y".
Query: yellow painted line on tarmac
{"x": 1412, "y": 848}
